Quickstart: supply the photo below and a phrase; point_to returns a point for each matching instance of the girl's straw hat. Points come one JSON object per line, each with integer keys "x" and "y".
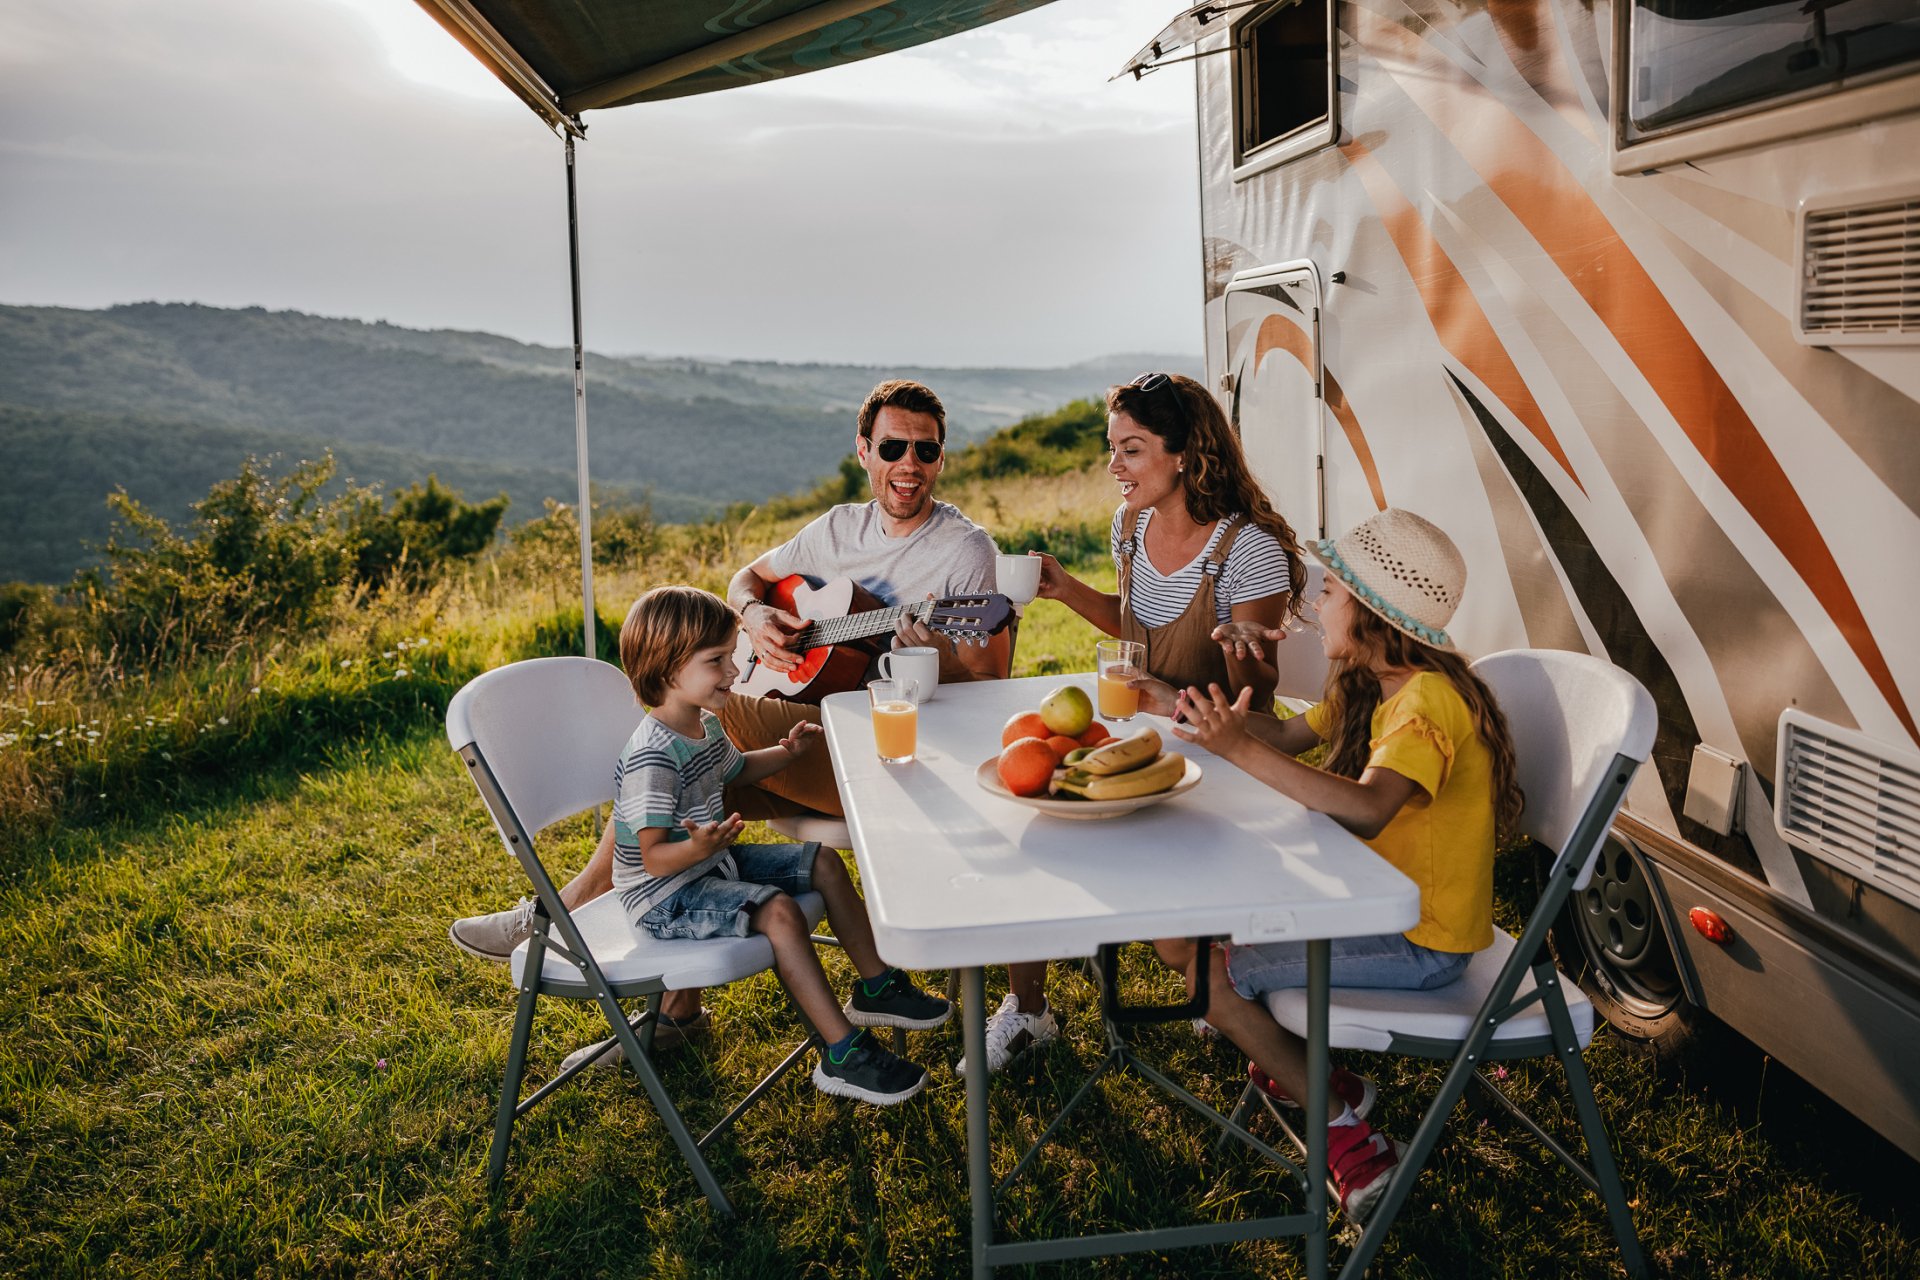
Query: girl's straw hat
{"x": 1403, "y": 569}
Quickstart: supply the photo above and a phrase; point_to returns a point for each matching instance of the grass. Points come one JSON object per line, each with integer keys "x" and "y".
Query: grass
{"x": 236, "y": 1042}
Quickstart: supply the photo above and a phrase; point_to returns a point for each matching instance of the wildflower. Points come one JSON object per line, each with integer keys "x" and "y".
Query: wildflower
{"x": 401, "y": 671}
{"x": 223, "y": 719}
{"x": 380, "y": 1064}
{"x": 387, "y": 654}
{"x": 1499, "y": 1073}
{"x": 256, "y": 688}
{"x": 346, "y": 662}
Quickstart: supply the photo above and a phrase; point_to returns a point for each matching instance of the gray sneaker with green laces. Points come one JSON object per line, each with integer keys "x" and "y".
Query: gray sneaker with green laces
{"x": 896, "y": 1003}
{"x": 868, "y": 1073}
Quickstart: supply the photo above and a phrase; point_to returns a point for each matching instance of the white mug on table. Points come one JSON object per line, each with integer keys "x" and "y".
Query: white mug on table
{"x": 913, "y": 662}
{"x": 1017, "y": 577}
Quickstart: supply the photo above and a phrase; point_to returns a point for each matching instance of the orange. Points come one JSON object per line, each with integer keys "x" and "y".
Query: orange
{"x": 1027, "y": 765}
{"x": 1027, "y": 724}
{"x": 1095, "y": 735}
{"x": 1061, "y": 744}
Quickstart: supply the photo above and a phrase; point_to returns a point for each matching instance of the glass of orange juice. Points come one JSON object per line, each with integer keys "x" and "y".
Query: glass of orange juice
{"x": 1120, "y": 661}
{"x": 896, "y": 718}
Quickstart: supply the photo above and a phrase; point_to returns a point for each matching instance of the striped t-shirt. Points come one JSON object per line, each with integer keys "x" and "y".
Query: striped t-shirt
{"x": 1256, "y": 568}
{"x": 662, "y": 779}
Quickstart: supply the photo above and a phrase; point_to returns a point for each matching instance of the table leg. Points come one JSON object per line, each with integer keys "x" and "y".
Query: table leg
{"x": 973, "y": 1018}
{"x": 1319, "y": 963}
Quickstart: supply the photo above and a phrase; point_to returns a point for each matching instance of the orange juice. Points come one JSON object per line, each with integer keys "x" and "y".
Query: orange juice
{"x": 895, "y": 725}
{"x": 1117, "y": 700}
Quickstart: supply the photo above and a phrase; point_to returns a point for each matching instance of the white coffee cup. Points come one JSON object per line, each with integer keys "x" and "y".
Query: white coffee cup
{"x": 1018, "y": 577}
{"x": 913, "y": 662}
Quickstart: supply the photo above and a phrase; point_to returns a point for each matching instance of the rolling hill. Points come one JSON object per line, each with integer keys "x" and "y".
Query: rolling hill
{"x": 166, "y": 398}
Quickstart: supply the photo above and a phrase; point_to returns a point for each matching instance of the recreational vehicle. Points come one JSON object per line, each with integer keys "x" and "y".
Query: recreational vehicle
{"x": 1626, "y": 296}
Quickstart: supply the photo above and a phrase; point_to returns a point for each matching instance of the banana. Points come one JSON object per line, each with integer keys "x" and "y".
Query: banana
{"x": 1166, "y": 770}
{"x": 1123, "y": 754}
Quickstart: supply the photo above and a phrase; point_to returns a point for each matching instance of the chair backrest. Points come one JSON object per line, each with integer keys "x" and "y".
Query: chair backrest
{"x": 550, "y": 731}
{"x": 1571, "y": 716}
{"x": 1301, "y": 665}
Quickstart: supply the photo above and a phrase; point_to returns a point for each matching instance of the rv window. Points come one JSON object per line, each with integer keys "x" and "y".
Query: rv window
{"x": 1284, "y": 82}
{"x": 1693, "y": 60}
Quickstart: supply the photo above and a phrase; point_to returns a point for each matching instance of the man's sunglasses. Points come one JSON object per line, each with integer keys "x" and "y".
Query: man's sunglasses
{"x": 892, "y": 450}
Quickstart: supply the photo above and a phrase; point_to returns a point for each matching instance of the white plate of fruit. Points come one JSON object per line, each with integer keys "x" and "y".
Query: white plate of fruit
{"x": 1088, "y": 774}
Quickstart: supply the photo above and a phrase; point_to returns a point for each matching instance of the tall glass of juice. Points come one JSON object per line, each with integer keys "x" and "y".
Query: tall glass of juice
{"x": 1118, "y": 662}
{"x": 896, "y": 718}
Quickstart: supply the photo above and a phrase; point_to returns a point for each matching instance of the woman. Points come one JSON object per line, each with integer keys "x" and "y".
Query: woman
{"x": 1198, "y": 548}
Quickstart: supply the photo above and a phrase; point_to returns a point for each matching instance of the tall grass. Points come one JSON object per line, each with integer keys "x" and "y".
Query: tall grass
{"x": 235, "y": 1041}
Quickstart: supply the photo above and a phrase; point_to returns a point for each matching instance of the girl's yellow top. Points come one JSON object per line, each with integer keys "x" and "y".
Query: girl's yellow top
{"x": 1443, "y": 839}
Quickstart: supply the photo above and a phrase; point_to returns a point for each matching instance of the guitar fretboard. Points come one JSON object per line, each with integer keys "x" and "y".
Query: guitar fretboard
{"x": 857, "y": 626}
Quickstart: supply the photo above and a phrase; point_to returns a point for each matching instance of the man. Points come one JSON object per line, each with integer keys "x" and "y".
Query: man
{"x": 902, "y": 546}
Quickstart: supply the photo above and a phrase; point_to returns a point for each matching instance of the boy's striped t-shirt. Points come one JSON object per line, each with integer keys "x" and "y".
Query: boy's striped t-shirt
{"x": 662, "y": 779}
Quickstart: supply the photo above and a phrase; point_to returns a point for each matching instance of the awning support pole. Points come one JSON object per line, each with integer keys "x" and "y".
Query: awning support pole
{"x": 580, "y": 410}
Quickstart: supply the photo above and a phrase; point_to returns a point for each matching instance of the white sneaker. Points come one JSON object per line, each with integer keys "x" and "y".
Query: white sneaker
{"x": 1011, "y": 1032}
{"x": 494, "y": 936}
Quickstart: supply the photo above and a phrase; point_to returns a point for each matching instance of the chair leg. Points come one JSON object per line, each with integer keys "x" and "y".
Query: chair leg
{"x": 510, "y": 1084}
{"x": 1412, "y": 1161}
{"x": 1599, "y": 1149}
{"x": 642, "y": 1064}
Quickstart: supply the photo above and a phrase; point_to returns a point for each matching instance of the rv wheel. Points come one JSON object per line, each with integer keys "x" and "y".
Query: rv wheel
{"x": 1612, "y": 941}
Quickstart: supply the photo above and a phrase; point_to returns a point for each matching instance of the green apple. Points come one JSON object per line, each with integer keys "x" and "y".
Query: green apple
{"x": 1067, "y": 710}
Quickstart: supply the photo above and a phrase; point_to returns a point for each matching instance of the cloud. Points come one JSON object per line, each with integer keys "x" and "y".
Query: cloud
{"x": 986, "y": 199}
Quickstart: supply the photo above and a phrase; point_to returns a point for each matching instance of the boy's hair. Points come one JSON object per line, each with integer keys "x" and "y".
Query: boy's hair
{"x": 1353, "y": 695}
{"x": 664, "y": 629}
{"x": 901, "y": 393}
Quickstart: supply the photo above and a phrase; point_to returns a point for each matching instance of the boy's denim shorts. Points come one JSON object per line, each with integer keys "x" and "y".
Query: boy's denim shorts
{"x": 716, "y": 907}
{"x": 1385, "y": 960}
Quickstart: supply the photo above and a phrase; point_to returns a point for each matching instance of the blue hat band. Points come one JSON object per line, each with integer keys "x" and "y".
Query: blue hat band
{"x": 1412, "y": 626}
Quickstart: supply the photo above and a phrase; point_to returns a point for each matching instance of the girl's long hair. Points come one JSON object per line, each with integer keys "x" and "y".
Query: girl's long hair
{"x": 1353, "y": 695}
{"x": 1216, "y": 482}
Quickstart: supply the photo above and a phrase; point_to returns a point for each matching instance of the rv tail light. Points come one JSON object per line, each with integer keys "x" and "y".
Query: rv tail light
{"x": 1710, "y": 925}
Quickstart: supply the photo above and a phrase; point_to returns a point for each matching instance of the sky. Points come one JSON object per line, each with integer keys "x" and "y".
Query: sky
{"x": 987, "y": 199}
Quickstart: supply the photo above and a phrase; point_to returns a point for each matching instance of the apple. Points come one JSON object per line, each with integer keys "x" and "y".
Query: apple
{"x": 1067, "y": 711}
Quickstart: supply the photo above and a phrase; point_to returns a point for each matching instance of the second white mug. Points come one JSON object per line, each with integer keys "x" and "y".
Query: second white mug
{"x": 1017, "y": 577}
{"x": 918, "y": 663}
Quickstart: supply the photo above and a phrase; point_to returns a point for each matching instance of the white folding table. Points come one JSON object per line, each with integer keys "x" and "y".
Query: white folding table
{"x": 958, "y": 878}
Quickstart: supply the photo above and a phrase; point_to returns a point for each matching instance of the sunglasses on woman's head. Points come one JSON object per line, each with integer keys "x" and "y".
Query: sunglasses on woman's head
{"x": 1150, "y": 381}
{"x": 928, "y": 451}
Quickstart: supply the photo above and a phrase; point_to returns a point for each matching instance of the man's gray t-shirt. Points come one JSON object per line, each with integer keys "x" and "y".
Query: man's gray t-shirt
{"x": 948, "y": 554}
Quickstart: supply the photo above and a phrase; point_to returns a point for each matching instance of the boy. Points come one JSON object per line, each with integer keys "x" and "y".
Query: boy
{"x": 679, "y": 873}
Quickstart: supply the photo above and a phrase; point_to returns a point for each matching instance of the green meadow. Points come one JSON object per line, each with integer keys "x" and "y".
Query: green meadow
{"x": 235, "y": 1040}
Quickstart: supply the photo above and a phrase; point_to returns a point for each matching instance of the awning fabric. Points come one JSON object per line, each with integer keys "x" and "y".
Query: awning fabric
{"x": 563, "y": 57}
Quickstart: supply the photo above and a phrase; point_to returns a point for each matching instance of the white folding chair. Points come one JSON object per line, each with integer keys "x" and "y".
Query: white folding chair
{"x": 1580, "y": 728}
{"x": 540, "y": 739}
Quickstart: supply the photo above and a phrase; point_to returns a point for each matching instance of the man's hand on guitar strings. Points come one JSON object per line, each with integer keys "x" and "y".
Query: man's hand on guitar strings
{"x": 770, "y": 630}
{"x": 912, "y": 632}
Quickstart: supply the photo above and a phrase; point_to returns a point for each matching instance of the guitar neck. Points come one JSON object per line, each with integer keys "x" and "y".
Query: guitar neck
{"x": 858, "y": 626}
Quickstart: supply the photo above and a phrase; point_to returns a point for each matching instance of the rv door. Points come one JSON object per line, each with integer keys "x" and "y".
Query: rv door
{"x": 1272, "y": 386}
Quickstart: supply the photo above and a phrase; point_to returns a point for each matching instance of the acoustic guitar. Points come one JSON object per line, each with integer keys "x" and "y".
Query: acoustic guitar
{"x": 847, "y": 628}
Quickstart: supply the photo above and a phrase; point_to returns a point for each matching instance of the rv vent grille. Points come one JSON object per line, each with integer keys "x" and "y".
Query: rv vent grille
{"x": 1843, "y": 798}
{"x": 1860, "y": 271}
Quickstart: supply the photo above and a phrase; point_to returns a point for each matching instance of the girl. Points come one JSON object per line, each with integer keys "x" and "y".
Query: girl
{"x": 1197, "y": 545}
{"x": 1419, "y": 765}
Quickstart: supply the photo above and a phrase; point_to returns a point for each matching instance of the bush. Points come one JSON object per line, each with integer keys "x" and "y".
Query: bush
{"x": 426, "y": 529}
{"x": 265, "y": 553}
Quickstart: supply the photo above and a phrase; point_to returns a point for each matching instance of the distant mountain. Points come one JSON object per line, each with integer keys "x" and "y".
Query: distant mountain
{"x": 167, "y": 398}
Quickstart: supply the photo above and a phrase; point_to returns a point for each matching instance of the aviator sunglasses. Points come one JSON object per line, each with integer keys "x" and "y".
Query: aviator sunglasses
{"x": 928, "y": 451}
